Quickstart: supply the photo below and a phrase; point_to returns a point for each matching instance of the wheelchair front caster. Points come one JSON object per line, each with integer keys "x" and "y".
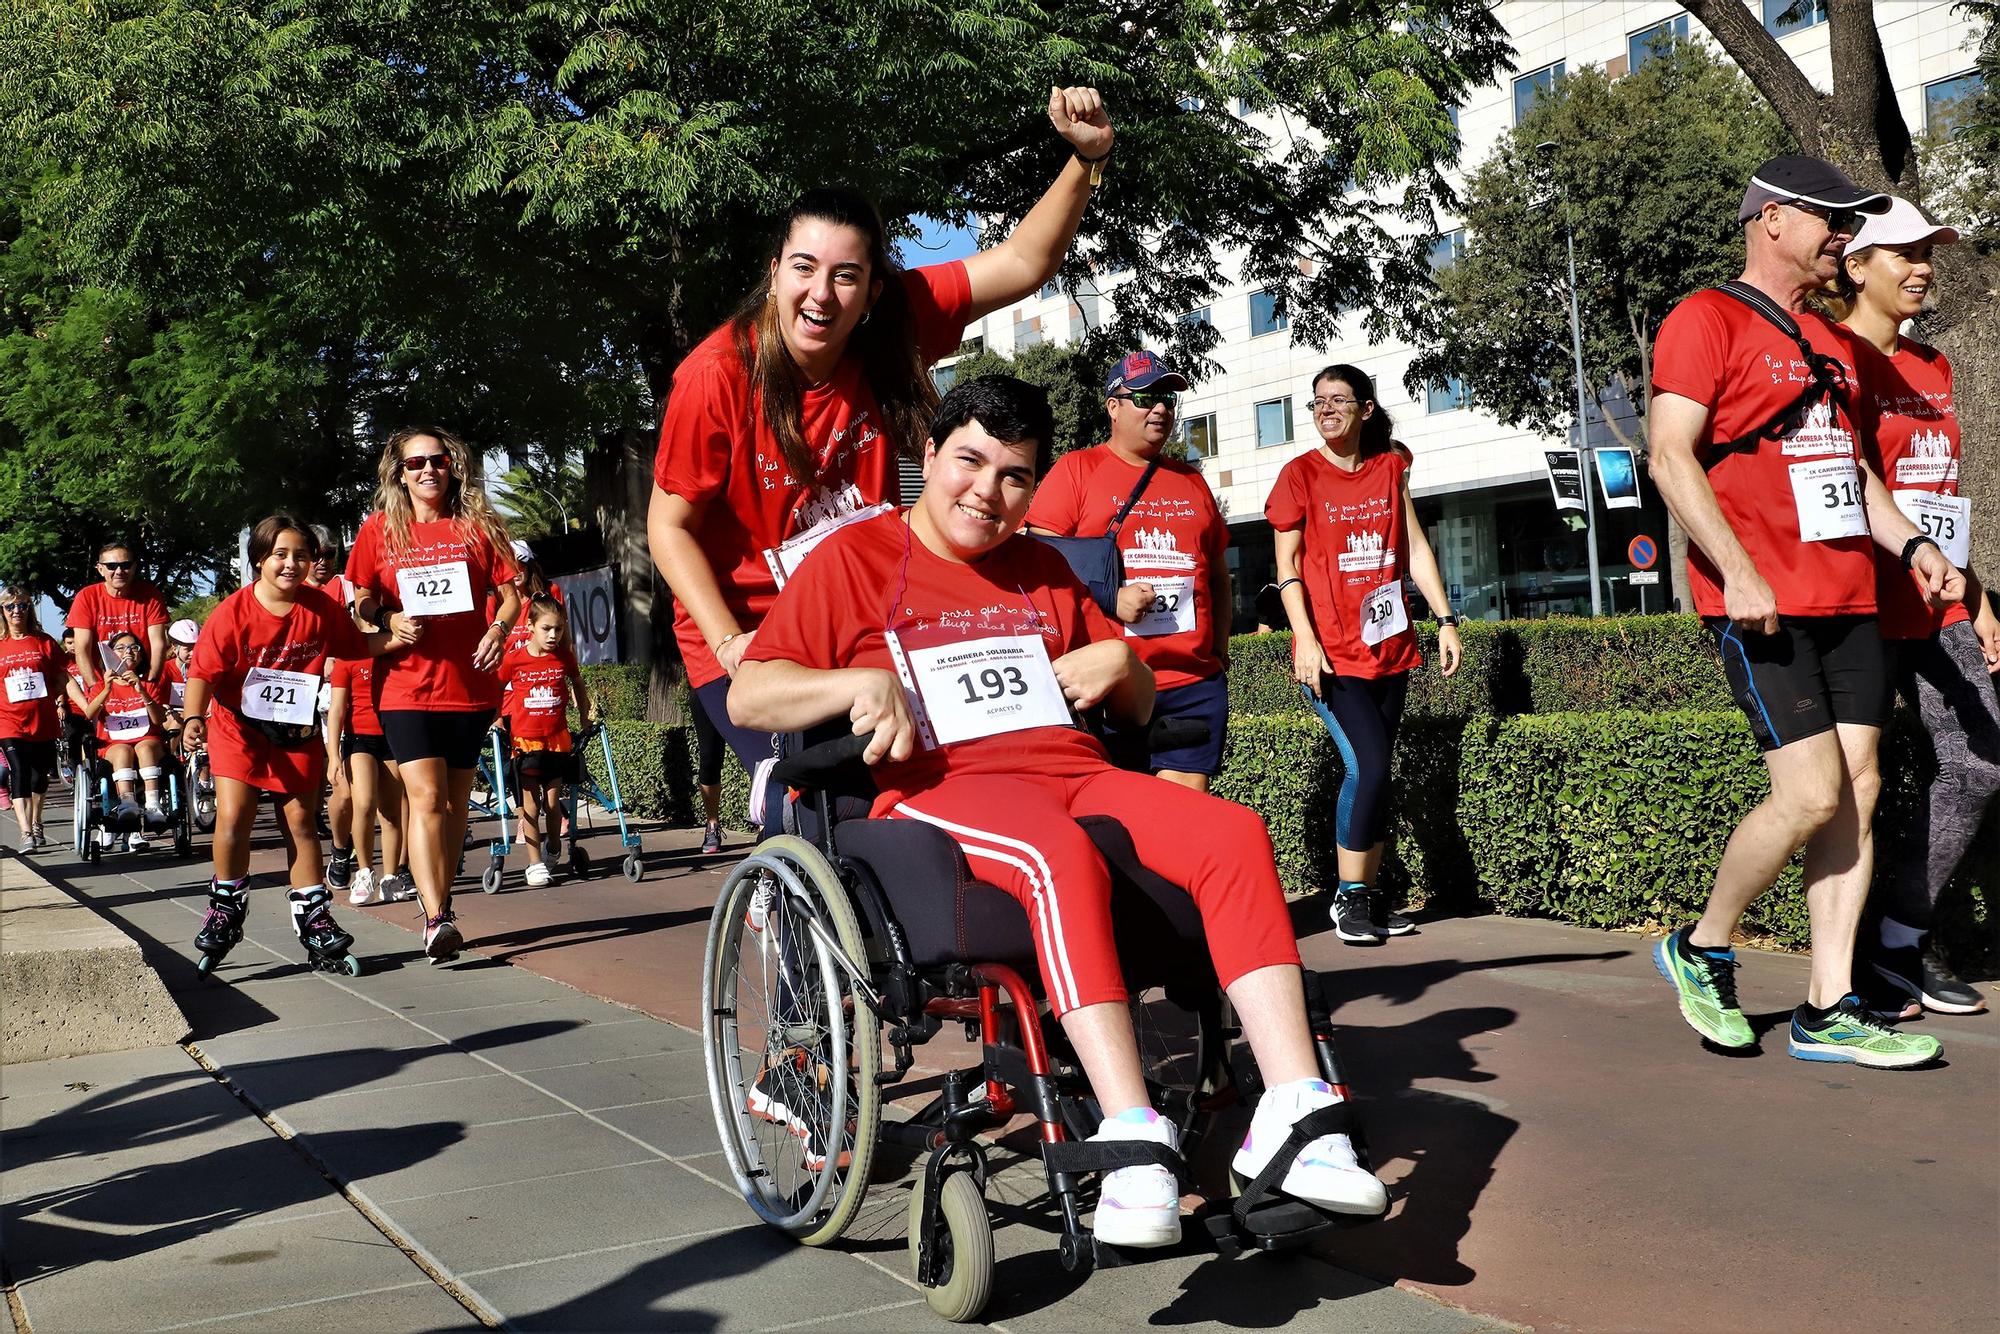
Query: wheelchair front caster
{"x": 489, "y": 879}
{"x": 962, "y": 1249}
{"x": 635, "y": 869}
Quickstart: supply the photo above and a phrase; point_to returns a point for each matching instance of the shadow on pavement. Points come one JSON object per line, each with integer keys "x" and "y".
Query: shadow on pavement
{"x": 1405, "y": 983}
{"x": 502, "y": 946}
{"x": 640, "y": 1299}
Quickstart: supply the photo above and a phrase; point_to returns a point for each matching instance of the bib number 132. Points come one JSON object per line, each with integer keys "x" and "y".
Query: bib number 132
{"x": 992, "y": 683}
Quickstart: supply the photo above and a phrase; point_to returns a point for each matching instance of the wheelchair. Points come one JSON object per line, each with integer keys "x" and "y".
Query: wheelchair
{"x": 94, "y": 800}
{"x": 824, "y": 949}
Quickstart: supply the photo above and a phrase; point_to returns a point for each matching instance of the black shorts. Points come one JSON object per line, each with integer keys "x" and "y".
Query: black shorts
{"x": 418, "y": 734}
{"x": 365, "y": 743}
{"x": 1815, "y": 672}
{"x": 546, "y": 766}
{"x": 30, "y": 764}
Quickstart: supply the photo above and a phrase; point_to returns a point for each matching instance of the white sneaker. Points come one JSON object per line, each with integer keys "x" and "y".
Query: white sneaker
{"x": 361, "y": 889}
{"x": 1139, "y": 1206}
{"x": 136, "y": 843}
{"x": 1325, "y": 1173}
{"x": 536, "y": 875}
{"x": 106, "y": 840}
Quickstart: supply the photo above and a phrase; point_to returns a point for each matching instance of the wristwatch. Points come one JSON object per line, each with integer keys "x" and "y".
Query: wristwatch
{"x": 1447, "y": 619}
{"x": 1910, "y": 547}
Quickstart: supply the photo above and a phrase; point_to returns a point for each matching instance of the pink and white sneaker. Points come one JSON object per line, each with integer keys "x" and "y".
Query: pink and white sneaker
{"x": 1326, "y": 1172}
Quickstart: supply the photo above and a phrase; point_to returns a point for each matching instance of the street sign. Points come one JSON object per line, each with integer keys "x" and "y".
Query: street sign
{"x": 593, "y": 614}
{"x": 1642, "y": 552}
{"x": 1644, "y": 577}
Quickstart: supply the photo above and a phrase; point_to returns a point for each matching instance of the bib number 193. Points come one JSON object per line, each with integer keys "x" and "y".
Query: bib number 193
{"x": 992, "y": 683}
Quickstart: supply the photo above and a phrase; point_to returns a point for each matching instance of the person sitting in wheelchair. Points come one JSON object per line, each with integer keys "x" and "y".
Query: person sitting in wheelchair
{"x": 130, "y": 713}
{"x": 963, "y": 648}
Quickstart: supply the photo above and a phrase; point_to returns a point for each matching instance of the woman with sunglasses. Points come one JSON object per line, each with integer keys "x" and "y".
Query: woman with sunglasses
{"x": 1347, "y": 537}
{"x": 1943, "y": 658}
{"x": 31, "y": 672}
{"x": 786, "y": 423}
{"x": 435, "y": 550}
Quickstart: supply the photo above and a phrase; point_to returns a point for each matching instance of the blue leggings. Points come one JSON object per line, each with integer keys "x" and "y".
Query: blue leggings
{"x": 1363, "y": 714}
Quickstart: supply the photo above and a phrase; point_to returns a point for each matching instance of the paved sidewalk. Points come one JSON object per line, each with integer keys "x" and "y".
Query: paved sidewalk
{"x": 505, "y": 1149}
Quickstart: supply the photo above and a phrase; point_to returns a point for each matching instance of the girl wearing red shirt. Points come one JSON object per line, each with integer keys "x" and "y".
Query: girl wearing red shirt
{"x": 356, "y": 749}
{"x": 1943, "y": 657}
{"x": 131, "y": 713}
{"x": 31, "y": 681}
{"x": 1347, "y": 537}
{"x": 962, "y": 648}
{"x": 540, "y": 679}
{"x": 435, "y": 550}
{"x": 789, "y": 419}
{"x": 260, "y": 660}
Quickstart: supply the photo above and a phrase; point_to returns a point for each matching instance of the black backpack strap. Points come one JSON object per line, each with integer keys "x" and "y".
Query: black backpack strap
{"x": 1825, "y": 382}
{"x": 1152, "y": 466}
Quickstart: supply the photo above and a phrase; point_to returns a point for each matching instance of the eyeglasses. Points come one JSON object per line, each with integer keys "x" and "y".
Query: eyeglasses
{"x": 1147, "y": 399}
{"x": 1836, "y": 219}
{"x": 1330, "y": 402}
{"x": 115, "y": 564}
{"x": 419, "y": 462}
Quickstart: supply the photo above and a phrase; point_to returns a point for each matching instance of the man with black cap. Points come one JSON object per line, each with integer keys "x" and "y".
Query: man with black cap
{"x": 1175, "y": 597}
{"x": 1755, "y": 448}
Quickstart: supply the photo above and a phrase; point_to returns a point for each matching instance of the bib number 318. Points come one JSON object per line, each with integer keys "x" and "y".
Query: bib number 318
{"x": 1827, "y": 495}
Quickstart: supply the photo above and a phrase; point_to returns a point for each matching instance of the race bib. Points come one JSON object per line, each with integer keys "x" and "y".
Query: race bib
{"x": 1946, "y": 520}
{"x": 443, "y": 589}
{"x": 784, "y": 558}
{"x": 1172, "y": 612}
{"x": 1383, "y": 614}
{"x": 128, "y": 726}
{"x": 176, "y": 695}
{"x": 275, "y": 696}
{"x": 984, "y": 687}
{"x": 1827, "y": 493}
{"x": 24, "y": 684}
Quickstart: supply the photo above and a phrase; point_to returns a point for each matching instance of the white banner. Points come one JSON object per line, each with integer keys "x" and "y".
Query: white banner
{"x": 1618, "y": 477}
{"x": 1565, "y": 478}
{"x": 593, "y": 613}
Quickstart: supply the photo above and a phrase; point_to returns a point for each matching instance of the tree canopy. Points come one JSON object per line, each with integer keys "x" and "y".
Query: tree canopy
{"x": 262, "y": 234}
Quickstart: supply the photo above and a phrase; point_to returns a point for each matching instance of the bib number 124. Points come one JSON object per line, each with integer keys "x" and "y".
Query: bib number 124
{"x": 993, "y": 683}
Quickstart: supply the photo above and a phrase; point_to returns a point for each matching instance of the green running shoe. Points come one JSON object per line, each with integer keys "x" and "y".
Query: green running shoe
{"x": 1706, "y": 986}
{"x": 1849, "y": 1035}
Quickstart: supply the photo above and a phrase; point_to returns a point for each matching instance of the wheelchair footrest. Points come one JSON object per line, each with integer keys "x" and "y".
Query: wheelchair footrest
{"x": 1274, "y": 1225}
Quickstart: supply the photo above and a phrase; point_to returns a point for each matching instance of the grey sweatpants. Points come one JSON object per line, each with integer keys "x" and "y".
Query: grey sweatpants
{"x": 1945, "y": 680}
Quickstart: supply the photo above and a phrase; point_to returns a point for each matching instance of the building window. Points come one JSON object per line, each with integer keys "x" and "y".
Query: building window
{"x": 1274, "y": 422}
{"x": 1651, "y": 43}
{"x": 1243, "y": 107}
{"x": 1190, "y": 103}
{"x": 1447, "y": 397}
{"x": 1447, "y": 250}
{"x": 1531, "y": 88}
{"x": 1451, "y": 114}
{"x": 1051, "y": 289}
{"x": 1265, "y": 317}
{"x": 1782, "y": 18}
{"x": 944, "y": 377}
{"x": 1198, "y": 433}
{"x": 1199, "y": 315}
{"x": 1947, "y": 101}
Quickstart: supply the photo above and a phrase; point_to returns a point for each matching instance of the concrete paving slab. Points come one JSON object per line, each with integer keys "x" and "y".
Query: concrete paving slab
{"x": 567, "y": 1044}
{"x": 400, "y": 1163}
{"x": 683, "y": 1127}
{"x": 621, "y": 1081}
{"x": 406, "y": 1310}
{"x": 473, "y": 1102}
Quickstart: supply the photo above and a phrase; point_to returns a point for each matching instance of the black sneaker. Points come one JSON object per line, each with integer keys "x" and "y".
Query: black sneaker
{"x": 340, "y": 870}
{"x": 1943, "y": 991}
{"x": 711, "y": 837}
{"x": 795, "y": 1077}
{"x": 1353, "y": 917}
{"x": 1391, "y": 923}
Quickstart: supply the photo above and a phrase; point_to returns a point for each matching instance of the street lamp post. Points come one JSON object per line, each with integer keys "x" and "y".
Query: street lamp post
{"x": 1545, "y": 151}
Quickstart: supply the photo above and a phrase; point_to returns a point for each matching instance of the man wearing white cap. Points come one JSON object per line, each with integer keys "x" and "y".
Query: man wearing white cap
{"x": 1757, "y": 449}
{"x": 1943, "y": 657}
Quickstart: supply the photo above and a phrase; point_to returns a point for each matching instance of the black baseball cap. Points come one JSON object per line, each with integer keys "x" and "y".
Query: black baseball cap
{"x": 1798, "y": 179}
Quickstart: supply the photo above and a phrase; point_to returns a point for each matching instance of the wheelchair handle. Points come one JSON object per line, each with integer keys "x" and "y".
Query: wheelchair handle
{"x": 818, "y": 761}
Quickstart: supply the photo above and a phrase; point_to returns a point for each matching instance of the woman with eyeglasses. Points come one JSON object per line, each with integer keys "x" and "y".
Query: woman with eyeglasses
{"x": 1943, "y": 658}
{"x": 435, "y": 550}
{"x": 786, "y": 423}
{"x": 1347, "y": 538}
{"x": 31, "y": 672}
{"x": 122, "y": 601}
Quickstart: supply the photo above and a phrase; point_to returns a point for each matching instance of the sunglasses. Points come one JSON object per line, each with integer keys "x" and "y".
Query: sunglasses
{"x": 1836, "y": 219}
{"x": 419, "y": 462}
{"x": 1147, "y": 399}
{"x": 114, "y": 564}
{"x": 13, "y": 606}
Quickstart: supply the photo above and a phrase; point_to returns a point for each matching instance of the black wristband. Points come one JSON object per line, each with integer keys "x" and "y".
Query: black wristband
{"x": 1447, "y": 619}
{"x": 1091, "y": 161}
{"x": 1910, "y": 547}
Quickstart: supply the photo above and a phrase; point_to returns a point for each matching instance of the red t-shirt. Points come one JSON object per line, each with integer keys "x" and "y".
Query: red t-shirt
{"x": 174, "y": 678}
{"x": 356, "y": 676}
{"x": 1717, "y": 351}
{"x": 31, "y": 681}
{"x": 537, "y": 694}
{"x": 717, "y": 451}
{"x": 435, "y": 674}
{"x": 1911, "y": 433}
{"x": 124, "y": 717}
{"x": 241, "y": 636}
{"x": 97, "y": 610}
{"x": 1355, "y": 557}
{"x": 1173, "y": 539}
{"x": 875, "y": 575}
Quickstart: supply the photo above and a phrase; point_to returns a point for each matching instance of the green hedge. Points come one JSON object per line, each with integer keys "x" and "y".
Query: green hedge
{"x": 1546, "y": 666}
{"x": 618, "y": 689}
{"x": 655, "y": 769}
{"x": 1617, "y": 819}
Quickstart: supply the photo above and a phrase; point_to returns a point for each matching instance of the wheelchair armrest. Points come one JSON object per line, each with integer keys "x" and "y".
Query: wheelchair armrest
{"x": 1176, "y": 733}
{"x": 818, "y": 765}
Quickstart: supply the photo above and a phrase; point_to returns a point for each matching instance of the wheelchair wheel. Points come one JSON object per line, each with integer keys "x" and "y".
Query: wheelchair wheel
{"x": 792, "y": 1050}
{"x": 964, "y": 1239}
{"x": 579, "y": 862}
{"x": 79, "y": 813}
{"x": 1178, "y": 1052}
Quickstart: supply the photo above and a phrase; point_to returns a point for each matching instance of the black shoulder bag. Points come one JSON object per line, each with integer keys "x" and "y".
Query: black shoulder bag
{"x": 1825, "y": 370}
{"x": 1095, "y": 560}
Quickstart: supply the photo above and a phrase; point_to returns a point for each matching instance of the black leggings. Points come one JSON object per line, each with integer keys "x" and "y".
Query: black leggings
{"x": 1363, "y": 714}
{"x": 29, "y": 766}
{"x": 708, "y": 747}
{"x": 751, "y": 748}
